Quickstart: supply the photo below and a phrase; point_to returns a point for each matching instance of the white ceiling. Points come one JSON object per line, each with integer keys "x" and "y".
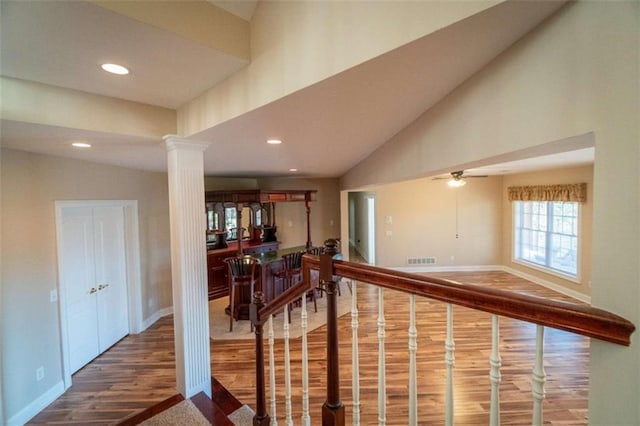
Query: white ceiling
{"x": 327, "y": 128}
{"x": 63, "y": 43}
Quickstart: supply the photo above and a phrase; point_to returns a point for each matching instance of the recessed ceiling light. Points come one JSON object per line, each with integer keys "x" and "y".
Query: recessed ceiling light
{"x": 274, "y": 141}
{"x": 81, "y": 145}
{"x": 115, "y": 69}
{"x": 293, "y": 170}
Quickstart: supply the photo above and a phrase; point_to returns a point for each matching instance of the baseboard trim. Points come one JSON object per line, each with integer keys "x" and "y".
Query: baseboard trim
{"x": 37, "y": 405}
{"x": 536, "y": 280}
{"x": 548, "y": 284}
{"x": 156, "y": 316}
{"x": 471, "y": 268}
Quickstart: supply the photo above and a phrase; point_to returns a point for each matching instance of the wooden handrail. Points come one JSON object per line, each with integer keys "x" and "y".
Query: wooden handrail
{"x": 288, "y": 296}
{"x": 579, "y": 319}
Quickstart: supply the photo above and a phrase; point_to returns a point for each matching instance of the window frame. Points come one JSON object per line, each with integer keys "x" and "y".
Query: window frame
{"x": 546, "y": 268}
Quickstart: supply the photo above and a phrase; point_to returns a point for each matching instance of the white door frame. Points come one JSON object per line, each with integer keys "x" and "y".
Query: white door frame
{"x": 371, "y": 228}
{"x": 132, "y": 256}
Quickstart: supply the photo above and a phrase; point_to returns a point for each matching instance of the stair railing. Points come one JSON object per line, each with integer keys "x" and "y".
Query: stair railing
{"x": 579, "y": 319}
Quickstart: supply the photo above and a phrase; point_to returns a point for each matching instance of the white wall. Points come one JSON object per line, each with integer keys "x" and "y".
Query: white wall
{"x": 577, "y": 73}
{"x": 31, "y": 183}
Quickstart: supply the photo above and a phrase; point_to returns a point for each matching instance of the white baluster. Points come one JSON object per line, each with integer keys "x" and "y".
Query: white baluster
{"x": 306, "y": 419}
{"x": 413, "y": 347}
{"x": 495, "y": 362}
{"x": 272, "y": 373}
{"x": 539, "y": 377}
{"x": 288, "y": 421}
{"x": 382, "y": 385}
{"x": 355, "y": 363}
{"x": 450, "y": 360}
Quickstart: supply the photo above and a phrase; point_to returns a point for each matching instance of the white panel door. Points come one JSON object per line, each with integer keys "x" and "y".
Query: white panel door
{"x": 80, "y": 292}
{"x": 93, "y": 265}
{"x": 111, "y": 275}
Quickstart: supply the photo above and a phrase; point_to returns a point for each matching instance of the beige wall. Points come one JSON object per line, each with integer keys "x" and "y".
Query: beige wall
{"x": 33, "y": 102}
{"x": 30, "y": 322}
{"x": 291, "y": 218}
{"x": 457, "y": 226}
{"x": 422, "y": 213}
{"x": 551, "y": 177}
{"x": 297, "y": 44}
{"x": 212, "y": 183}
{"x": 576, "y": 73}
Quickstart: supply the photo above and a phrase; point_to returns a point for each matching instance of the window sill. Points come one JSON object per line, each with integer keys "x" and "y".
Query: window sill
{"x": 553, "y": 272}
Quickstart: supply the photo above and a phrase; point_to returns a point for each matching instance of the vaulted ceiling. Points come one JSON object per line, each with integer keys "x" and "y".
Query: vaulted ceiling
{"x": 327, "y": 127}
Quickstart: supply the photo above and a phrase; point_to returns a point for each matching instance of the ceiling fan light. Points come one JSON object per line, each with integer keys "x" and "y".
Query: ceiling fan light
{"x": 456, "y": 183}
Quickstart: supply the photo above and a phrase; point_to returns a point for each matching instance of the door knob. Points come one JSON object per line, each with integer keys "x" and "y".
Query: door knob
{"x": 92, "y": 290}
{"x": 103, "y": 286}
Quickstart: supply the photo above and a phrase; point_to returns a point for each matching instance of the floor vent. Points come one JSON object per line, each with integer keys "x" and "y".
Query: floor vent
{"x": 421, "y": 261}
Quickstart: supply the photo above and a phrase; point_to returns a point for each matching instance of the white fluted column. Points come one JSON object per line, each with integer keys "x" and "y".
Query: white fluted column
{"x": 189, "y": 265}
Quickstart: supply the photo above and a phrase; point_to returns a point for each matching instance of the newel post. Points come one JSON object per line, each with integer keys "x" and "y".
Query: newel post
{"x": 333, "y": 409}
{"x": 261, "y": 418}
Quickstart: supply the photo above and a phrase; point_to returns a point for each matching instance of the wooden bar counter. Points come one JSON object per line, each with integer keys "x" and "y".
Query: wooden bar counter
{"x": 217, "y": 268}
{"x": 270, "y": 258}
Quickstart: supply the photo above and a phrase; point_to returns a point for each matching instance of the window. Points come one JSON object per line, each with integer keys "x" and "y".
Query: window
{"x": 546, "y": 235}
{"x": 230, "y": 222}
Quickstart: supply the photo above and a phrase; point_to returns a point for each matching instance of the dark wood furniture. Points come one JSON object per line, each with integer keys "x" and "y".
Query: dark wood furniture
{"x": 260, "y": 207}
{"x": 217, "y": 273}
{"x": 289, "y": 275}
{"x": 243, "y": 272}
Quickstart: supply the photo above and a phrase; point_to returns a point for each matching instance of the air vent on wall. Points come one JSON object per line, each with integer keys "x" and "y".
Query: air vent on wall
{"x": 421, "y": 261}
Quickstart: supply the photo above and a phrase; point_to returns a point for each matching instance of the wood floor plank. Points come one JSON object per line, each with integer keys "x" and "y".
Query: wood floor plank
{"x": 139, "y": 371}
{"x": 566, "y": 362}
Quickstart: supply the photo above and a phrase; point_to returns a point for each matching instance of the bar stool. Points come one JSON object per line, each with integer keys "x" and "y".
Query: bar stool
{"x": 315, "y": 275}
{"x": 243, "y": 271}
{"x": 291, "y": 274}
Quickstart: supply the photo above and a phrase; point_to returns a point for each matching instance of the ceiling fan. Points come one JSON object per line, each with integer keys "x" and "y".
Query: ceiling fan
{"x": 456, "y": 180}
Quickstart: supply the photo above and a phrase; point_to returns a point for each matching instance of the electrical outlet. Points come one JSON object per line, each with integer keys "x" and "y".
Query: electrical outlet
{"x": 388, "y": 220}
{"x": 53, "y": 296}
{"x": 40, "y": 373}
{"x": 388, "y": 233}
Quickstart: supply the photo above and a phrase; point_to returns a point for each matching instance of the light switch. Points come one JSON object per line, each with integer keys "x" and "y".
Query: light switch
{"x": 388, "y": 233}
{"x": 53, "y": 296}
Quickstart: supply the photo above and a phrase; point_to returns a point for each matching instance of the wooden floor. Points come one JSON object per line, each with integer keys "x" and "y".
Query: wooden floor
{"x": 139, "y": 372}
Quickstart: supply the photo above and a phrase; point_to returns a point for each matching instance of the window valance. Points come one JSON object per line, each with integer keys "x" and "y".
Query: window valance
{"x": 566, "y": 192}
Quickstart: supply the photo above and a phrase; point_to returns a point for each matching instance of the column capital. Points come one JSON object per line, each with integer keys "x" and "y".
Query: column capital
{"x": 174, "y": 142}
